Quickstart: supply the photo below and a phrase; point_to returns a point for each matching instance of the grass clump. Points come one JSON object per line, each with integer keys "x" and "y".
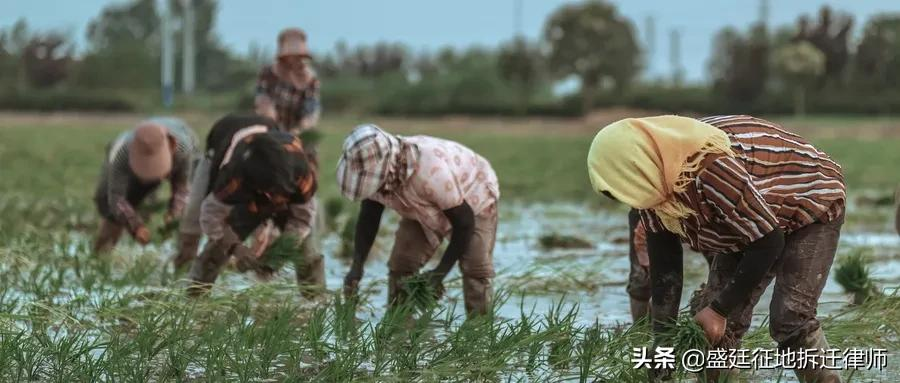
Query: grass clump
{"x": 560, "y": 241}
{"x": 284, "y": 249}
{"x": 348, "y": 233}
{"x": 419, "y": 293}
{"x": 854, "y": 275}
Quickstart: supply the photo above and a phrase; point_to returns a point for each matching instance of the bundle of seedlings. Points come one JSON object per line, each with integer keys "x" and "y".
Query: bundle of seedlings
{"x": 419, "y": 293}
{"x": 685, "y": 334}
{"x": 854, "y": 275}
{"x": 167, "y": 229}
{"x": 560, "y": 241}
{"x": 284, "y": 249}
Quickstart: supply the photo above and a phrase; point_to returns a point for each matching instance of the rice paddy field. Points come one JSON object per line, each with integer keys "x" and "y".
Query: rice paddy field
{"x": 67, "y": 315}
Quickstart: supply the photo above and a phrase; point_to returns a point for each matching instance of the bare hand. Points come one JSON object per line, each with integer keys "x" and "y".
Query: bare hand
{"x": 436, "y": 280}
{"x": 351, "y": 282}
{"x": 244, "y": 259}
{"x": 142, "y": 235}
{"x": 713, "y": 324}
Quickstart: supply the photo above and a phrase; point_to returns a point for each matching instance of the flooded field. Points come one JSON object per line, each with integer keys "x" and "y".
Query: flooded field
{"x": 536, "y": 279}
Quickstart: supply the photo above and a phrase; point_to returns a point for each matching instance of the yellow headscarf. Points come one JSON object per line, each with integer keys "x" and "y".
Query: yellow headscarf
{"x": 643, "y": 162}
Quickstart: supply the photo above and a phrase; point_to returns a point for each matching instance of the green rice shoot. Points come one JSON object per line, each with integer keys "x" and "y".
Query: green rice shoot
{"x": 854, "y": 276}
{"x": 284, "y": 249}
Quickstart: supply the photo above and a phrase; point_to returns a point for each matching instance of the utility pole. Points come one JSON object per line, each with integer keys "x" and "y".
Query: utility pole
{"x": 675, "y": 57}
{"x": 167, "y": 80}
{"x": 187, "y": 62}
{"x": 650, "y": 42}
{"x": 517, "y": 18}
{"x": 764, "y": 13}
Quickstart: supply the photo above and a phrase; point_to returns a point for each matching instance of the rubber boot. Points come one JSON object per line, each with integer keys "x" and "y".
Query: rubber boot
{"x": 207, "y": 267}
{"x": 107, "y": 236}
{"x": 639, "y": 309}
{"x": 478, "y": 295}
{"x": 188, "y": 244}
{"x": 815, "y": 340}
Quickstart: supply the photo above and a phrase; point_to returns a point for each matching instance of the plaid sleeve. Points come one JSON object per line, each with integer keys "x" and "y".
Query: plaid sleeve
{"x": 264, "y": 82}
{"x": 729, "y": 189}
{"x": 311, "y": 101}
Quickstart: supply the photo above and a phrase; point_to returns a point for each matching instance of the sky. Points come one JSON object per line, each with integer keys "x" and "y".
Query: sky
{"x": 430, "y": 24}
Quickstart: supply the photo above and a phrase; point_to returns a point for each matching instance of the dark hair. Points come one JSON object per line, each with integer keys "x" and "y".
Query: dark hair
{"x": 266, "y": 166}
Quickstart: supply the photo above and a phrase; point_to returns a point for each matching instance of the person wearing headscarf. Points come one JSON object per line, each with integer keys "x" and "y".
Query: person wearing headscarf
{"x": 288, "y": 90}
{"x": 764, "y": 202}
{"x": 440, "y": 189}
{"x": 256, "y": 173}
{"x": 136, "y": 163}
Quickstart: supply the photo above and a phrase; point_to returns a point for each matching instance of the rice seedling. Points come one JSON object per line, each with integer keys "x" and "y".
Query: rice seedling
{"x": 284, "y": 249}
{"x": 561, "y": 241}
{"x": 334, "y": 206}
{"x": 348, "y": 232}
{"x": 419, "y": 292}
{"x": 853, "y": 274}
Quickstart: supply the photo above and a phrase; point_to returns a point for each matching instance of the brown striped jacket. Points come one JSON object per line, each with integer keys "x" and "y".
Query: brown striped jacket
{"x": 776, "y": 179}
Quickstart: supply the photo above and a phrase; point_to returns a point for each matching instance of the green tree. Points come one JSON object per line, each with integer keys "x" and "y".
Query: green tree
{"x": 46, "y": 59}
{"x": 519, "y": 63}
{"x": 739, "y": 65}
{"x": 877, "y": 61}
{"x": 592, "y": 41}
{"x": 123, "y": 44}
{"x": 799, "y": 64}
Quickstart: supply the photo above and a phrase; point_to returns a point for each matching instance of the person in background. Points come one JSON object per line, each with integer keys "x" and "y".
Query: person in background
{"x": 256, "y": 173}
{"x": 764, "y": 201}
{"x": 288, "y": 91}
{"x": 439, "y": 188}
{"x": 136, "y": 163}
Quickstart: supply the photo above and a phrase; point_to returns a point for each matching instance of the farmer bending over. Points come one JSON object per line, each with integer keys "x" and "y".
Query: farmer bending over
{"x": 439, "y": 188}
{"x": 256, "y": 173}
{"x": 136, "y": 163}
{"x": 765, "y": 202}
{"x": 638, "y": 287}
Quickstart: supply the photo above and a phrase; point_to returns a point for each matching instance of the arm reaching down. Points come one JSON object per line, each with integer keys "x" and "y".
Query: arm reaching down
{"x": 367, "y": 224}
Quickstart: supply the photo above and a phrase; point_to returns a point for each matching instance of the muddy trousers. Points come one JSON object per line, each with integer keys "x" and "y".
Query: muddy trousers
{"x": 800, "y": 274}
{"x": 412, "y": 251}
{"x": 309, "y": 267}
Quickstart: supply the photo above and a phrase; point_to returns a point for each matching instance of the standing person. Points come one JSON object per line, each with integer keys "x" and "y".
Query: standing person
{"x": 439, "y": 188}
{"x": 288, "y": 91}
{"x": 256, "y": 173}
{"x": 136, "y": 163}
{"x": 767, "y": 203}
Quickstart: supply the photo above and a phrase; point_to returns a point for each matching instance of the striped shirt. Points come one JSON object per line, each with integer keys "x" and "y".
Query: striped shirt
{"x": 116, "y": 176}
{"x": 776, "y": 179}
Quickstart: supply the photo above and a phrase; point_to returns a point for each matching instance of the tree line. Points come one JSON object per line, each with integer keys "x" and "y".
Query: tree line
{"x": 815, "y": 65}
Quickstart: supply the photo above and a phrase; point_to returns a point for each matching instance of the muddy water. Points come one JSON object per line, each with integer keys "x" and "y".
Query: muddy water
{"x": 593, "y": 278}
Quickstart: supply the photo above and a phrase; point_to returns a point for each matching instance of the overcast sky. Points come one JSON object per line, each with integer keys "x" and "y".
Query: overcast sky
{"x": 429, "y": 25}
